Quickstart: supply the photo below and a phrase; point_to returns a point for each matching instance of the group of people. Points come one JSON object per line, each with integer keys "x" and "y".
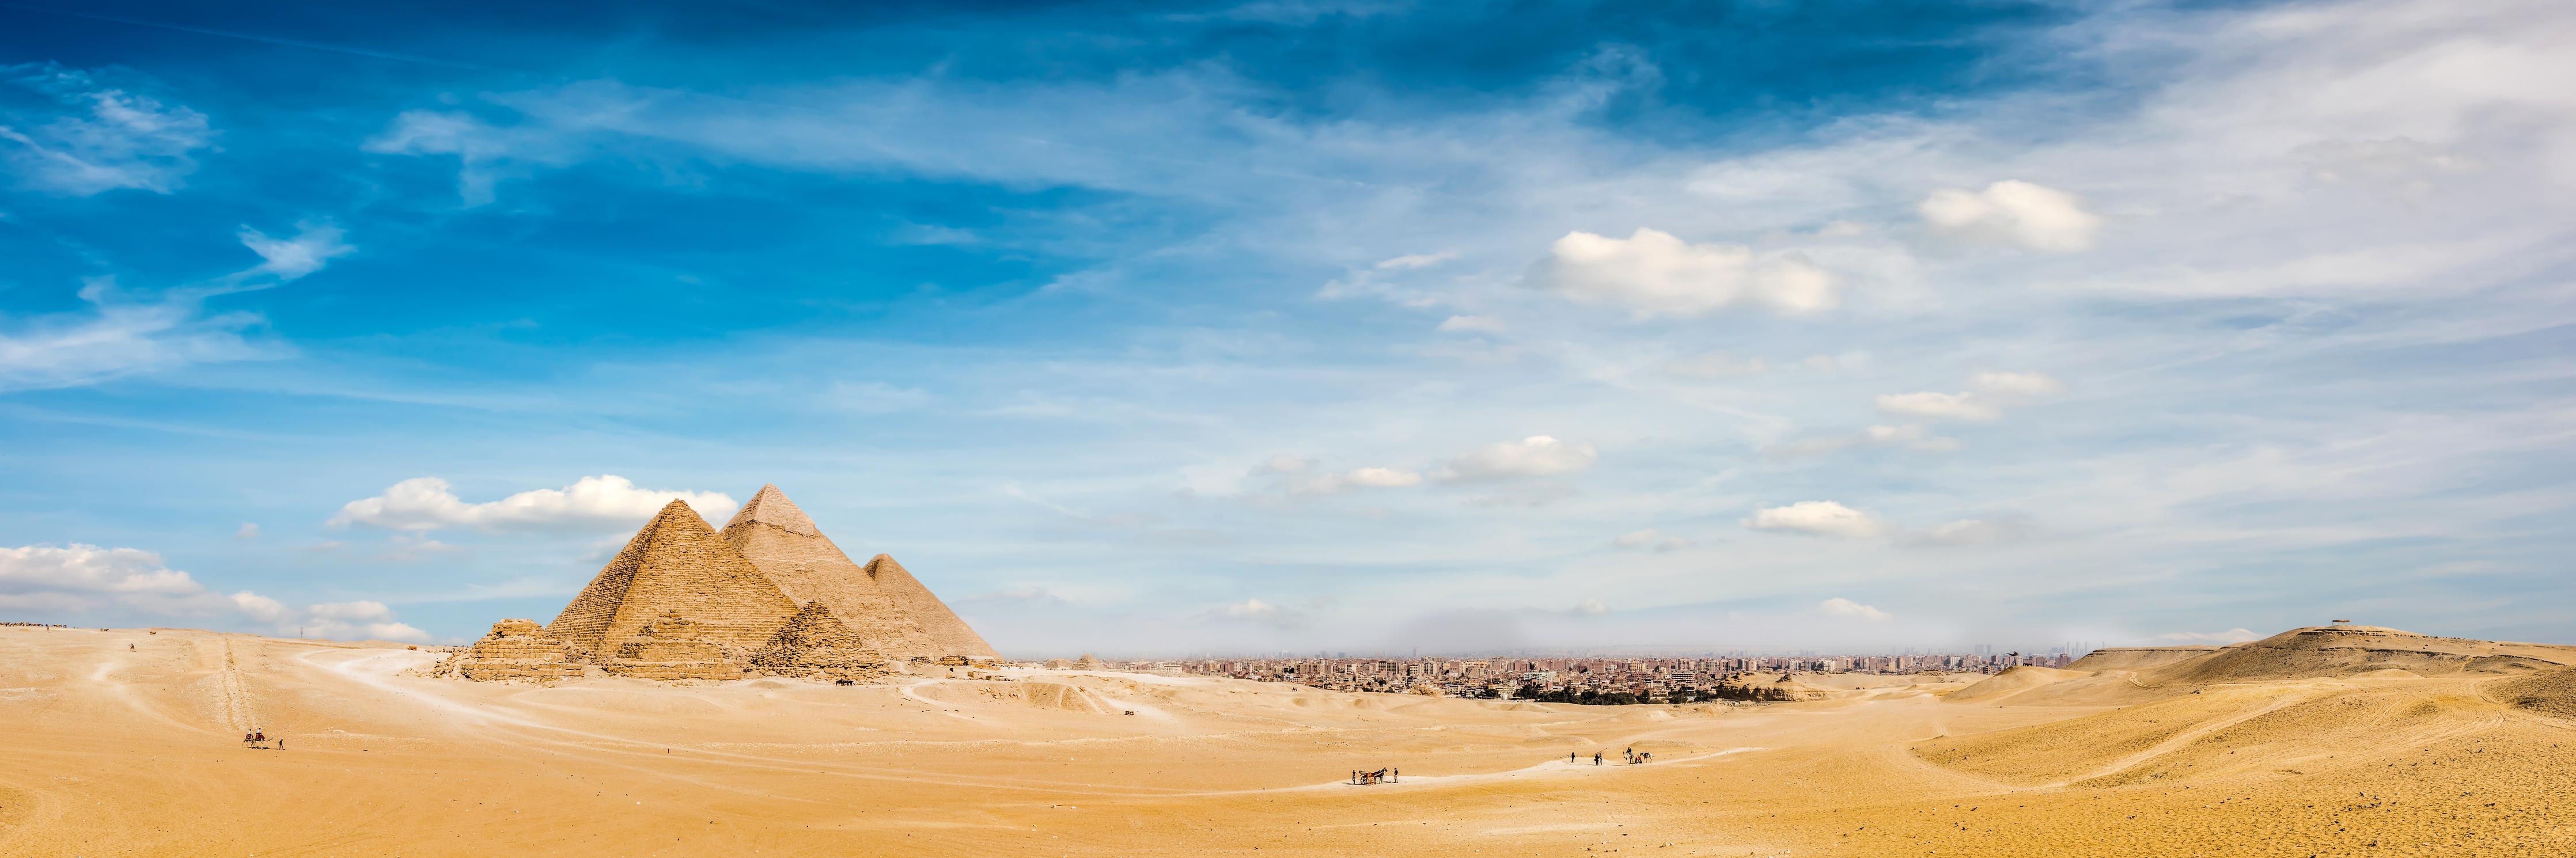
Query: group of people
{"x": 1631, "y": 754}
{"x": 37, "y": 625}
{"x": 258, "y": 739}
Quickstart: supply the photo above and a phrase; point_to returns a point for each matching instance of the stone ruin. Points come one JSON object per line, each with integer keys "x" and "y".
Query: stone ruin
{"x": 816, "y": 645}
{"x": 516, "y": 649}
{"x": 771, "y": 595}
{"x": 672, "y": 647}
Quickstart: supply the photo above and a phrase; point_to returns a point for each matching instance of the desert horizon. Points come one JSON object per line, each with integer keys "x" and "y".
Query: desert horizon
{"x": 2288, "y": 746}
{"x": 1761, "y": 428}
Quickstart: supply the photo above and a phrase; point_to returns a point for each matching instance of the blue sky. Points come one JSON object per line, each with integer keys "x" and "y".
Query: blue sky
{"x": 1157, "y": 328}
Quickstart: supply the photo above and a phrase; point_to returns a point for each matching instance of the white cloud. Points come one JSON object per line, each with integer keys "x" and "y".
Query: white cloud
{"x": 1416, "y": 260}
{"x": 2014, "y": 212}
{"x": 132, "y": 582}
{"x": 1590, "y": 608}
{"x": 1476, "y": 324}
{"x": 1820, "y": 518}
{"x": 2411, "y": 168}
{"x": 121, "y": 336}
{"x": 2230, "y": 636}
{"x": 1250, "y": 609}
{"x": 1357, "y": 478}
{"x": 1650, "y": 538}
{"x": 1988, "y": 394}
{"x": 1715, "y": 365}
{"x": 1939, "y": 406}
{"x": 1029, "y": 595}
{"x": 1654, "y": 273}
{"x": 347, "y": 620}
{"x": 249, "y": 530}
{"x": 485, "y": 153}
{"x": 90, "y": 137}
{"x": 1534, "y": 456}
{"x": 1909, "y": 436}
{"x": 1841, "y": 607}
{"x": 1834, "y": 363}
{"x": 90, "y": 569}
{"x": 314, "y": 246}
{"x": 261, "y": 608}
{"x": 1286, "y": 464}
{"x": 1968, "y": 531}
{"x": 427, "y": 503}
{"x": 1383, "y": 477}
{"x": 2015, "y": 384}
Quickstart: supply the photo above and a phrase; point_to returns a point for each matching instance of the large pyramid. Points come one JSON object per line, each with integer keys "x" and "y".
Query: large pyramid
{"x": 952, "y": 633}
{"x": 779, "y": 538}
{"x": 675, "y": 564}
{"x": 882, "y": 603}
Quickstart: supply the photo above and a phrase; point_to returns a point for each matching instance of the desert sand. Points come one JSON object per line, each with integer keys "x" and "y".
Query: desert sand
{"x": 2340, "y": 741}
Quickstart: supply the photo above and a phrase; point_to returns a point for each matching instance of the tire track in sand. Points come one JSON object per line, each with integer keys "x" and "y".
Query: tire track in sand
{"x": 238, "y": 714}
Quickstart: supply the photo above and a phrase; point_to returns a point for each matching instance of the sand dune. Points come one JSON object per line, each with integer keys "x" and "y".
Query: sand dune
{"x": 133, "y": 751}
{"x": 2012, "y": 682}
{"x": 2137, "y": 657}
{"x": 2346, "y": 650}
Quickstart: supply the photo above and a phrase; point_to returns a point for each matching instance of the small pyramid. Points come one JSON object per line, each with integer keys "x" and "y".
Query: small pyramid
{"x": 516, "y": 649}
{"x": 675, "y": 563}
{"x": 951, "y": 632}
{"x": 671, "y": 647}
{"x": 780, "y": 539}
{"x": 818, "y": 645}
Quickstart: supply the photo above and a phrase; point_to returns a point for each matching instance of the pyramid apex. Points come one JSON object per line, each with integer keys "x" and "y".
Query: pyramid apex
{"x": 771, "y": 507}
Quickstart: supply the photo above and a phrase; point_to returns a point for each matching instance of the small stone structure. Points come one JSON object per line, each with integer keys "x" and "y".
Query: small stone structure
{"x": 1089, "y": 662}
{"x": 516, "y": 649}
{"x": 672, "y": 647}
{"x": 816, "y": 645}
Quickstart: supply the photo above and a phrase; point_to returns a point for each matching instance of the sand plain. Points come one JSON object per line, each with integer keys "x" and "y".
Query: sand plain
{"x": 125, "y": 743}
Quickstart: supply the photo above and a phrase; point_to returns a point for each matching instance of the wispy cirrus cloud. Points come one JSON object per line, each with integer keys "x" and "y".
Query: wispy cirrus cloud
{"x": 73, "y": 132}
